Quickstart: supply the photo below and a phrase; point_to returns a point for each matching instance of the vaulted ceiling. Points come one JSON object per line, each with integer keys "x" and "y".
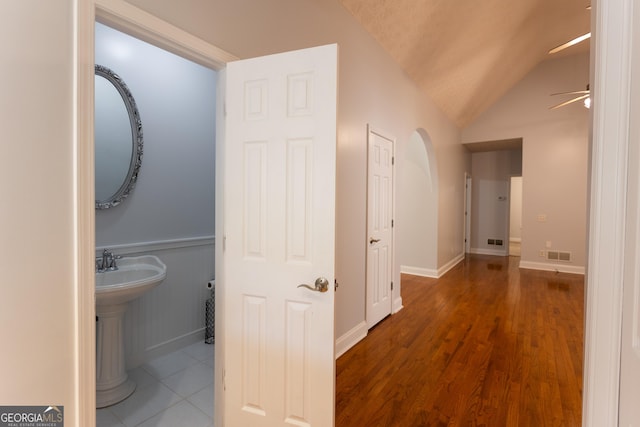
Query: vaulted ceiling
{"x": 465, "y": 54}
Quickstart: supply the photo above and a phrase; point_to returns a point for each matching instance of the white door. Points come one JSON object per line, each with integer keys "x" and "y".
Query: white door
{"x": 379, "y": 227}
{"x": 279, "y": 221}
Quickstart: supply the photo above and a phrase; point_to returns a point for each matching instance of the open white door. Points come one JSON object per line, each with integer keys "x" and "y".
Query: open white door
{"x": 279, "y": 214}
{"x": 379, "y": 227}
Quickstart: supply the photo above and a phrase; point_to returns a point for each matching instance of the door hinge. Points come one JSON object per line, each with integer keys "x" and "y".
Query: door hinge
{"x": 391, "y": 285}
{"x": 393, "y": 160}
{"x": 392, "y": 222}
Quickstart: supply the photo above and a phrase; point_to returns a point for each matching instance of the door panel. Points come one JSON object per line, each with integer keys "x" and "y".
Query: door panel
{"x": 379, "y": 227}
{"x": 279, "y": 233}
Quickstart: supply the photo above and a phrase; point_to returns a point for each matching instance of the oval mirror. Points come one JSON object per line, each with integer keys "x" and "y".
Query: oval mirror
{"x": 118, "y": 139}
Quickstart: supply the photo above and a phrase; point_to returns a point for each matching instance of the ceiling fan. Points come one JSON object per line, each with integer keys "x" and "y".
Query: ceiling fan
{"x": 571, "y": 42}
{"x": 582, "y": 95}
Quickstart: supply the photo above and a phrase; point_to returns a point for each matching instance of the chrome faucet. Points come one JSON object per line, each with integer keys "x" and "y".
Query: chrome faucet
{"x": 107, "y": 262}
{"x": 107, "y": 259}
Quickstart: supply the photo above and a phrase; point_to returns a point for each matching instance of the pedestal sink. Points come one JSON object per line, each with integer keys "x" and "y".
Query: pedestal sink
{"x": 114, "y": 290}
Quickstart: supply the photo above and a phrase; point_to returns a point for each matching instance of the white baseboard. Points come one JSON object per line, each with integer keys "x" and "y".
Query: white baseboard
{"x": 397, "y": 305}
{"x": 418, "y": 271}
{"x": 351, "y": 338}
{"x": 427, "y": 272}
{"x": 495, "y": 252}
{"x": 448, "y": 266}
{"x": 515, "y": 239}
{"x": 562, "y": 268}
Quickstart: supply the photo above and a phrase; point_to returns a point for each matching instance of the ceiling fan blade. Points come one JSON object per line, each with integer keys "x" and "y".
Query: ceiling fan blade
{"x": 570, "y": 43}
{"x": 575, "y": 92}
{"x": 571, "y": 101}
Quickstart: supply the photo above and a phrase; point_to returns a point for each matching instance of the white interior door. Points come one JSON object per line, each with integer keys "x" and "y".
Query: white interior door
{"x": 279, "y": 208}
{"x": 379, "y": 227}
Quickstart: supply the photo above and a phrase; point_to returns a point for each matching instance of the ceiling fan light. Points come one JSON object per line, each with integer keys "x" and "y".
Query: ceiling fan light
{"x": 570, "y": 43}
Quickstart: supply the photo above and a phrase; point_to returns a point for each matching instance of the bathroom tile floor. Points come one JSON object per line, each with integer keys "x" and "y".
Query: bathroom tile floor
{"x": 175, "y": 390}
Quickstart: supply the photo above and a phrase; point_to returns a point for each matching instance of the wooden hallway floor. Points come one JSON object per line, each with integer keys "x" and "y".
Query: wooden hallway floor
{"x": 487, "y": 344}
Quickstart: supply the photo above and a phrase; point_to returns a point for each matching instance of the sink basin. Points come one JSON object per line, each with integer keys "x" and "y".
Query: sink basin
{"x": 134, "y": 276}
{"x": 114, "y": 289}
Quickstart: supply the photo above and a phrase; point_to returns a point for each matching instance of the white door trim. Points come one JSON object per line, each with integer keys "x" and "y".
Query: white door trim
{"x": 84, "y": 221}
{"x": 138, "y": 23}
{"x": 610, "y": 82}
{"x": 629, "y": 411}
{"x": 466, "y": 244}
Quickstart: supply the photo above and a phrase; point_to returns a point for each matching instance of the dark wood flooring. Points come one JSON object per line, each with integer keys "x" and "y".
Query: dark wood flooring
{"x": 488, "y": 344}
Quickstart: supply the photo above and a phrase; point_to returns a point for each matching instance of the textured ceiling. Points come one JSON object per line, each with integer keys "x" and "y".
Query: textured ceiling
{"x": 465, "y": 54}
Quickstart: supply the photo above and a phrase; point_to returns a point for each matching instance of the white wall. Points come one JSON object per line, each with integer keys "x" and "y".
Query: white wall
{"x": 372, "y": 90}
{"x": 416, "y": 207}
{"x": 515, "y": 209}
{"x": 38, "y": 309}
{"x": 555, "y": 152}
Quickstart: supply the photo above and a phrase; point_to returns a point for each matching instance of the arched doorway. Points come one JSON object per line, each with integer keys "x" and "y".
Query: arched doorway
{"x": 417, "y": 207}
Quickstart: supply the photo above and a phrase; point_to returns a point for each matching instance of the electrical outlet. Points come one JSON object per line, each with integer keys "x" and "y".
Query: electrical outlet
{"x": 541, "y": 253}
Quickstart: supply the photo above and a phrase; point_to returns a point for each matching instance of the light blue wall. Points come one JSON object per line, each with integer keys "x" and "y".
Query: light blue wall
{"x": 170, "y": 213}
{"x": 174, "y": 195}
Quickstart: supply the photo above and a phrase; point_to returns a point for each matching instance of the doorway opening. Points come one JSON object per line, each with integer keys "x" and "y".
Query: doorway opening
{"x": 417, "y": 207}
{"x": 170, "y": 214}
{"x": 493, "y": 164}
{"x": 515, "y": 216}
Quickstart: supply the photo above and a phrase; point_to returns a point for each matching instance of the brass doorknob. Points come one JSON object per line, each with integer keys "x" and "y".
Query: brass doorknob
{"x": 321, "y": 285}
